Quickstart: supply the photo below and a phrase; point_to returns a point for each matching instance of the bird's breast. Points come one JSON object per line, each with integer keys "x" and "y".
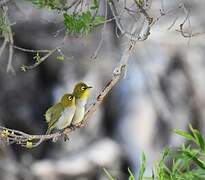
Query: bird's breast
{"x": 81, "y": 102}
{"x": 66, "y": 118}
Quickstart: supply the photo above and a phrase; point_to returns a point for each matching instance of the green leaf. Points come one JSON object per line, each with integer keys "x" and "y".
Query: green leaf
{"x": 95, "y": 5}
{"x": 198, "y": 139}
{"x": 184, "y": 134}
{"x": 140, "y": 2}
{"x": 193, "y": 156}
{"x": 60, "y": 58}
{"x": 108, "y": 174}
{"x": 81, "y": 23}
{"x": 98, "y": 20}
{"x": 23, "y": 68}
{"x": 29, "y": 144}
{"x": 131, "y": 176}
{"x": 142, "y": 166}
{"x": 37, "y": 57}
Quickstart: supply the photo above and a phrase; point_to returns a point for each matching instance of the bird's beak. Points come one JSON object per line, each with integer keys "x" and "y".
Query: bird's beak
{"x": 89, "y": 87}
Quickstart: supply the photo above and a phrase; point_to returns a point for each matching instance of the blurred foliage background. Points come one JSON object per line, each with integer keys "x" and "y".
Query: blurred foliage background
{"x": 163, "y": 89}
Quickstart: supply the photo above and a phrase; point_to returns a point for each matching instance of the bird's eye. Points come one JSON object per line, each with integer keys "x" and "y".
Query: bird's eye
{"x": 70, "y": 98}
{"x": 83, "y": 88}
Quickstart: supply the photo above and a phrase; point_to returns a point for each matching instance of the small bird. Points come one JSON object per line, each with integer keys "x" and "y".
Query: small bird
{"x": 60, "y": 115}
{"x": 81, "y": 93}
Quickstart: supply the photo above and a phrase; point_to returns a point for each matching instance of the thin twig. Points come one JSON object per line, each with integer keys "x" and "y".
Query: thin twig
{"x": 143, "y": 35}
{"x": 30, "y": 141}
{"x": 11, "y": 52}
{"x": 8, "y": 36}
{"x": 188, "y": 35}
{"x": 94, "y": 56}
{"x": 3, "y": 46}
{"x": 42, "y": 59}
{"x": 38, "y": 62}
{"x": 30, "y": 50}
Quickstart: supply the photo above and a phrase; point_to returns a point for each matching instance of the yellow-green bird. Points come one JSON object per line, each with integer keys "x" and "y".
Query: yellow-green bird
{"x": 60, "y": 115}
{"x": 81, "y": 93}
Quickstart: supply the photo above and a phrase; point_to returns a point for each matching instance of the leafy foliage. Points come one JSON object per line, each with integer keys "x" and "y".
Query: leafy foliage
{"x": 185, "y": 163}
{"x": 81, "y": 23}
{"x": 76, "y": 22}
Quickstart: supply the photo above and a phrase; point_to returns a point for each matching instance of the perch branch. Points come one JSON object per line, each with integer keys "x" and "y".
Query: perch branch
{"x": 10, "y": 136}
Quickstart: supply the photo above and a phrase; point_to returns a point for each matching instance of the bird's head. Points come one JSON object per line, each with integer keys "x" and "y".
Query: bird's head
{"x": 68, "y": 100}
{"x": 81, "y": 91}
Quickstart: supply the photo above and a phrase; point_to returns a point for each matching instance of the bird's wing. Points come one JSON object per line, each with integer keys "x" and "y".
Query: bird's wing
{"x": 53, "y": 114}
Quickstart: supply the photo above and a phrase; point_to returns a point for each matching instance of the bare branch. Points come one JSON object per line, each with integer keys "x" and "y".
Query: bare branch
{"x": 3, "y": 46}
{"x": 145, "y": 32}
{"x": 8, "y": 36}
{"x": 38, "y": 62}
{"x": 42, "y": 59}
{"x": 11, "y": 52}
{"x": 94, "y": 56}
{"x": 30, "y": 50}
{"x": 10, "y": 136}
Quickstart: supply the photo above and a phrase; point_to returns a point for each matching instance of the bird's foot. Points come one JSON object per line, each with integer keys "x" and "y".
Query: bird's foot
{"x": 65, "y": 134}
{"x": 65, "y": 137}
{"x": 72, "y": 127}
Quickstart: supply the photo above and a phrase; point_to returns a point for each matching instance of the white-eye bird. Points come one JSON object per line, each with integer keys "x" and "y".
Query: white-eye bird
{"x": 81, "y": 93}
{"x": 60, "y": 115}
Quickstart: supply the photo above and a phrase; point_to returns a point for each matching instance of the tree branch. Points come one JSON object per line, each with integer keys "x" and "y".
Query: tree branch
{"x": 10, "y": 136}
{"x": 3, "y": 46}
{"x": 41, "y": 59}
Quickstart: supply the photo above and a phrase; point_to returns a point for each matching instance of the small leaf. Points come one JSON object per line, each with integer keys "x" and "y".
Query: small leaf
{"x": 37, "y": 57}
{"x": 140, "y": 2}
{"x": 184, "y": 134}
{"x": 194, "y": 158}
{"x": 81, "y": 23}
{"x": 29, "y": 144}
{"x": 108, "y": 174}
{"x": 23, "y": 68}
{"x": 60, "y": 58}
{"x": 98, "y": 20}
{"x": 131, "y": 176}
{"x": 199, "y": 140}
{"x": 142, "y": 166}
{"x": 95, "y": 5}
{"x": 5, "y": 133}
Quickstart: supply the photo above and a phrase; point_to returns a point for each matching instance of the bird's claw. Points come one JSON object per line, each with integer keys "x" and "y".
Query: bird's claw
{"x": 65, "y": 137}
{"x": 72, "y": 127}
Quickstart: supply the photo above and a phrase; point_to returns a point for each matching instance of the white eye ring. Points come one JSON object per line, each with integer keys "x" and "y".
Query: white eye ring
{"x": 83, "y": 88}
{"x": 70, "y": 98}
